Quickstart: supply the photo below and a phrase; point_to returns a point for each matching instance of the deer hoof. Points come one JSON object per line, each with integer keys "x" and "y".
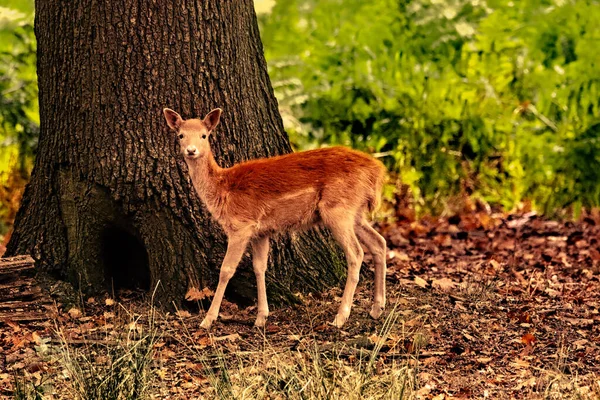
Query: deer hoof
{"x": 206, "y": 323}
{"x": 261, "y": 320}
{"x": 376, "y": 311}
{"x": 339, "y": 320}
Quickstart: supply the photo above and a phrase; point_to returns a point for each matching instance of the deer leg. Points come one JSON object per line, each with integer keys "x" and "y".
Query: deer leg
{"x": 377, "y": 247}
{"x": 260, "y": 257}
{"x": 343, "y": 232}
{"x": 235, "y": 249}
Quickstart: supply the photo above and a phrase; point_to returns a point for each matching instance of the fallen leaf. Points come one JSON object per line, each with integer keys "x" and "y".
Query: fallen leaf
{"x": 193, "y": 294}
{"x": 424, "y": 391}
{"x": 35, "y": 366}
{"x": 519, "y": 363}
{"x": 528, "y": 338}
{"x": 36, "y": 338}
{"x": 19, "y": 341}
{"x": 444, "y": 284}
{"x": 166, "y": 353}
{"x": 161, "y": 373}
{"x": 75, "y": 312}
{"x": 108, "y": 315}
{"x": 183, "y": 314}
{"x": 231, "y": 338}
{"x": 421, "y": 282}
{"x": 14, "y": 325}
{"x": 374, "y": 338}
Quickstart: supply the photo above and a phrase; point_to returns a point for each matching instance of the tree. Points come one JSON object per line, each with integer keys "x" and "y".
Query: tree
{"x": 109, "y": 203}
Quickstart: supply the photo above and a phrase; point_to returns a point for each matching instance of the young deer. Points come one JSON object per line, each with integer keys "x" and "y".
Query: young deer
{"x": 254, "y": 200}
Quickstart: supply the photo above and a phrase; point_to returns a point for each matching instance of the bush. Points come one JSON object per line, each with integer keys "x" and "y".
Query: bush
{"x": 19, "y": 113}
{"x": 19, "y": 119}
{"x": 495, "y": 99}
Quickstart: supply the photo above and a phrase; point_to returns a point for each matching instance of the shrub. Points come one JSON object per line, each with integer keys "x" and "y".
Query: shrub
{"x": 496, "y": 99}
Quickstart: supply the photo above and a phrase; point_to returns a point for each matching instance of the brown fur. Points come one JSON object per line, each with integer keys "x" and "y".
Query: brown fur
{"x": 291, "y": 191}
{"x": 334, "y": 187}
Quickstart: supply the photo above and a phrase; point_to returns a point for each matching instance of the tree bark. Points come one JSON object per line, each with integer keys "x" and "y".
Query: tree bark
{"x": 110, "y": 202}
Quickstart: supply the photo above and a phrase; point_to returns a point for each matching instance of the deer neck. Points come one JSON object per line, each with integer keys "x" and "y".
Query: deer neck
{"x": 206, "y": 178}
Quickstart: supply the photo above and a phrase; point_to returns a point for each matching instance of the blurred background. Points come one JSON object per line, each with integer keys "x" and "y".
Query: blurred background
{"x": 490, "y": 103}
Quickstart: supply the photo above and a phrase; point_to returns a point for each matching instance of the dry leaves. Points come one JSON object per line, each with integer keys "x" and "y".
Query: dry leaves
{"x": 75, "y": 312}
{"x": 193, "y": 294}
{"x": 488, "y": 306}
{"x": 528, "y": 339}
{"x": 421, "y": 282}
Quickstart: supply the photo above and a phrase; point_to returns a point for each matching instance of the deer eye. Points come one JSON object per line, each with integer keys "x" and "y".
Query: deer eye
{"x": 181, "y": 136}
{"x": 203, "y": 136}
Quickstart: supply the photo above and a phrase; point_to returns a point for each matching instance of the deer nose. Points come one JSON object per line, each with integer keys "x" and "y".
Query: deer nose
{"x": 191, "y": 150}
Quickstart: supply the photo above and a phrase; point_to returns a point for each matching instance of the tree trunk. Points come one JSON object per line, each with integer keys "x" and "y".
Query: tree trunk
{"x": 110, "y": 203}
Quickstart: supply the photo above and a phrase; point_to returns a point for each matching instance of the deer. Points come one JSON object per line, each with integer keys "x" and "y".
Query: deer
{"x": 252, "y": 201}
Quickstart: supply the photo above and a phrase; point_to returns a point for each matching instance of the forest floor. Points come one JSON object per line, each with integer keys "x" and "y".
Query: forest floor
{"x": 479, "y": 306}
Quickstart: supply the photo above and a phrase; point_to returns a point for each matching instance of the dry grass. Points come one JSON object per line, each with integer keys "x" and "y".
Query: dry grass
{"x": 122, "y": 361}
{"x": 119, "y": 367}
{"x": 125, "y": 359}
{"x": 310, "y": 371}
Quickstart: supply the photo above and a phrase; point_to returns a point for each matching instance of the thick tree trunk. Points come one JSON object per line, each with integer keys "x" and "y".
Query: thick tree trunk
{"x": 109, "y": 201}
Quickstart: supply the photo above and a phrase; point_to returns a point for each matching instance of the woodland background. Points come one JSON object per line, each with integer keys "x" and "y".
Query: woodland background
{"x": 496, "y": 100}
{"x": 487, "y": 115}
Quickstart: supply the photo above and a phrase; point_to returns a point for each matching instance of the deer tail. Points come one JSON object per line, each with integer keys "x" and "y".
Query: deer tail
{"x": 374, "y": 200}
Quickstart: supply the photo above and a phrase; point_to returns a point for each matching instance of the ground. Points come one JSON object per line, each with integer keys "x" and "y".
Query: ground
{"x": 480, "y": 306}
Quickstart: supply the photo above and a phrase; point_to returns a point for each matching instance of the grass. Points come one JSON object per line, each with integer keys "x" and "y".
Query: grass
{"x": 119, "y": 366}
{"x": 309, "y": 371}
{"x": 121, "y": 362}
{"x": 141, "y": 353}
{"x": 26, "y": 389}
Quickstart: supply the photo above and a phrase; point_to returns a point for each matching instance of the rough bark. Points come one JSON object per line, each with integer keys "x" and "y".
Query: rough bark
{"x": 109, "y": 202}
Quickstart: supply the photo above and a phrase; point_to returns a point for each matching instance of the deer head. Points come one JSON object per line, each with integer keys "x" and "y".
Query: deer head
{"x": 193, "y": 134}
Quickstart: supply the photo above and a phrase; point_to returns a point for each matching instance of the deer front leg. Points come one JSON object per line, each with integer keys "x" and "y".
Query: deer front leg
{"x": 260, "y": 257}
{"x": 235, "y": 249}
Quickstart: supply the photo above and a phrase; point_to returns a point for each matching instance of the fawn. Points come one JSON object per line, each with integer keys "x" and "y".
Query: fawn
{"x": 334, "y": 187}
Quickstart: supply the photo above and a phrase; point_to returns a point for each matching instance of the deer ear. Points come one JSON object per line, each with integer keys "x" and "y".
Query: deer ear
{"x": 174, "y": 120}
{"x": 212, "y": 119}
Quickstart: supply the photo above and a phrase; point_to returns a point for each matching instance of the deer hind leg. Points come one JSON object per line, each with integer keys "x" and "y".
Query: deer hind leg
{"x": 235, "y": 250}
{"x": 260, "y": 257}
{"x": 376, "y": 245}
{"x": 343, "y": 231}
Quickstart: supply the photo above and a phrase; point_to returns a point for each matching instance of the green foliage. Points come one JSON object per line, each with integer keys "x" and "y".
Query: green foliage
{"x": 19, "y": 119}
{"x": 19, "y": 115}
{"x": 495, "y": 98}
{"x": 499, "y": 99}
